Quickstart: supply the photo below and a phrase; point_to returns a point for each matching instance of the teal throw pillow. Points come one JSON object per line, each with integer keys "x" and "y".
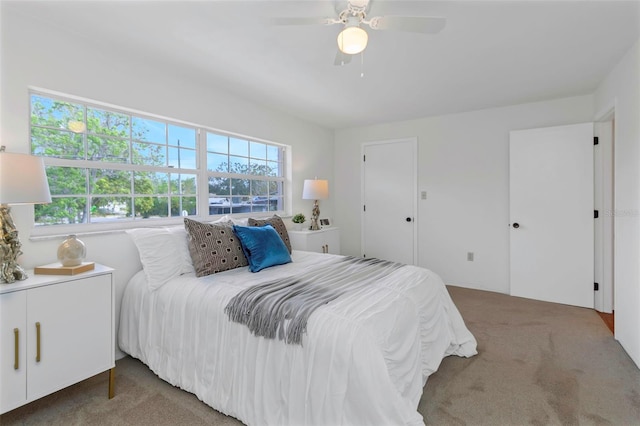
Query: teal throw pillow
{"x": 262, "y": 246}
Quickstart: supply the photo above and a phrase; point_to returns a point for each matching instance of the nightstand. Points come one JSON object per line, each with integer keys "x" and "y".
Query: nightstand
{"x": 55, "y": 331}
{"x": 326, "y": 240}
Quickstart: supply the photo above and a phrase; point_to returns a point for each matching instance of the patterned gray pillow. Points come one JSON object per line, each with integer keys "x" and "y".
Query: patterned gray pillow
{"x": 278, "y": 225}
{"x": 213, "y": 247}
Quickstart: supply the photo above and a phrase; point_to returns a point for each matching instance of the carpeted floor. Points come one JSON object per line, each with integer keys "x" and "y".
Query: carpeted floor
{"x": 539, "y": 363}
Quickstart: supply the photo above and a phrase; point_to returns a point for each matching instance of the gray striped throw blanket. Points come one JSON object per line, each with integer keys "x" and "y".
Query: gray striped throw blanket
{"x": 281, "y": 308}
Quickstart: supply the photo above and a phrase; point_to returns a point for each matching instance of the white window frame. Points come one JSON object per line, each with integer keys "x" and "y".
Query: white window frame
{"x": 201, "y": 172}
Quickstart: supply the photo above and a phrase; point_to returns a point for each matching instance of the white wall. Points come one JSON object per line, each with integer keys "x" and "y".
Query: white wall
{"x": 463, "y": 165}
{"x": 35, "y": 54}
{"x": 621, "y": 89}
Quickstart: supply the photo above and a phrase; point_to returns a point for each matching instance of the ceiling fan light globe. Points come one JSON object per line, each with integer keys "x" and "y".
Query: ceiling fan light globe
{"x": 76, "y": 126}
{"x": 352, "y": 40}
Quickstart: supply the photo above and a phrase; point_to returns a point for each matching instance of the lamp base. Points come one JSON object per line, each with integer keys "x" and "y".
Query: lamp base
{"x": 315, "y": 214}
{"x": 10, "y": 245}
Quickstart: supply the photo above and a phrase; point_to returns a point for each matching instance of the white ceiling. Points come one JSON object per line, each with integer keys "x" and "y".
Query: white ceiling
{"x": 490, "y": 53}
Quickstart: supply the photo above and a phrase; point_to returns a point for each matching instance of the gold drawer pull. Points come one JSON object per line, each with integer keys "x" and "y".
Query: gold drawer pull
{"x": 37, "y": 342}
{"x": 16, "y": 344}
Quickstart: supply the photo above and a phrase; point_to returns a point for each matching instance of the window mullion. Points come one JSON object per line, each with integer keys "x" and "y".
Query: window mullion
{"x": 203, "y": 175}
{"x": 243, "y": 176}
{"x": 61, "y": 162}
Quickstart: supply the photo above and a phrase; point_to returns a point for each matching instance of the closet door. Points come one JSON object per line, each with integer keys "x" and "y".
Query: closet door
{"x": 389, "y": 200}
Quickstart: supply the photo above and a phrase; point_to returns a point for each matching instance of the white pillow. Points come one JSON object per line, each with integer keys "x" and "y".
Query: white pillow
{"x": 181, "y": 238}
{"x": 164, "y": 252}
{"x": 160, "y": 254}
{"x": 223, "y": 218}
{"x": 242, "y": 221}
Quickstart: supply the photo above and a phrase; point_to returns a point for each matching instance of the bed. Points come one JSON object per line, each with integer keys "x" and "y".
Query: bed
{"x": 363, "y": 358}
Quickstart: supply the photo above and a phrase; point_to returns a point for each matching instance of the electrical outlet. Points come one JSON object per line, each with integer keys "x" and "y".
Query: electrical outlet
{"x": 423, "y": 195}
{"x": 470, "y": 256}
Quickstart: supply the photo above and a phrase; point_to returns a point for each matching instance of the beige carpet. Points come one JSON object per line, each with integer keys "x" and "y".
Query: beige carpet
{"x": 538, "y": 363}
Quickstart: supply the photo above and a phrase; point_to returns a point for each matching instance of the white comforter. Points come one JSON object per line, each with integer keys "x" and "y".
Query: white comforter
{"x": 364, "y": 360}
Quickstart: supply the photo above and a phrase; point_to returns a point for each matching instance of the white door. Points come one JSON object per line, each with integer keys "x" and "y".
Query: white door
{"x": 604, "y": 202}
{"x": 389, "y": 200}
{"x": 551, "y": 214}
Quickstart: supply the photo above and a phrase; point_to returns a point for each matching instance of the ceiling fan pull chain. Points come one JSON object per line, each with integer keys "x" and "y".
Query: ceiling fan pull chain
{"x": 362, "y": 64}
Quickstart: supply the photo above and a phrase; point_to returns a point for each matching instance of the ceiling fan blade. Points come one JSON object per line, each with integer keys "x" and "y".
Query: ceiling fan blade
{"x": 342, "y": 58}
{"x": 302, "y": 21}
{"x": 416, "y": 24}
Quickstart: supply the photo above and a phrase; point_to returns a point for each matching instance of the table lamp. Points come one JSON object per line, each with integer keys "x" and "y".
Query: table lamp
{"x": 315, "y": 189}
{"x": 22, "y": 181}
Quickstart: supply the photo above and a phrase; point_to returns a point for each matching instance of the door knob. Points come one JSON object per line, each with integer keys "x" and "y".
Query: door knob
{"x": 408, "y": 219}
{"x": 516, "y": 225}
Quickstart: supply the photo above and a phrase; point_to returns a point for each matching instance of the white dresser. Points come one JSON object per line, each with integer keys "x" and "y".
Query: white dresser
{"x": 55, "y": 330}
{"x": 325, "y": 240}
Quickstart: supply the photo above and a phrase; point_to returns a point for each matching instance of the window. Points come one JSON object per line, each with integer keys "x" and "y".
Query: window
{"x": 244, "y": 176}
{"x": 109, "y": 165}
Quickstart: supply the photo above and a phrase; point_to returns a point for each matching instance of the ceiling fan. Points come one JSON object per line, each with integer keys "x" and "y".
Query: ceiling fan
{"x": 353, "y": 38}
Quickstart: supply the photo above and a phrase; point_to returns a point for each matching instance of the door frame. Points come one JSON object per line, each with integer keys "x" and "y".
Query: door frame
{"x": 604, "y": 242}
{"x": 414, "y": 146}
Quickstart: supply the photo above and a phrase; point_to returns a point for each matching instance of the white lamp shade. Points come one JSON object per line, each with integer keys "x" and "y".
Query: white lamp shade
{"x": 23, "y": 179}
{"x": 352, "y": 40}
{"x": 315, "y": 189}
